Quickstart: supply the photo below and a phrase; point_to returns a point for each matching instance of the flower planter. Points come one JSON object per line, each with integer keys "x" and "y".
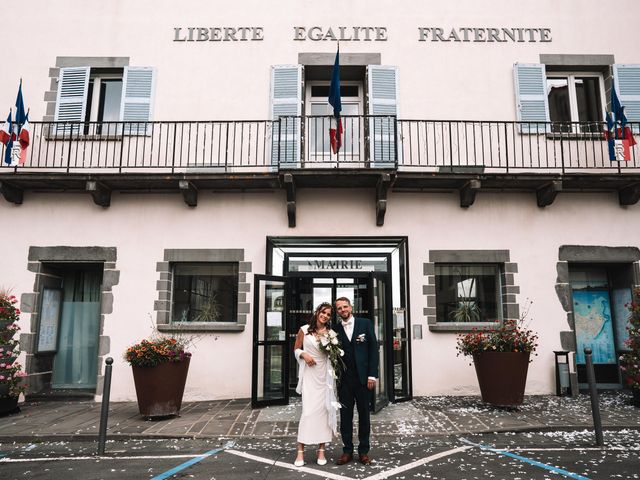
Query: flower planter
{"x": 502, "y": 377}
{"x": 159, "y": 389}
{"x": 8, "y": 405}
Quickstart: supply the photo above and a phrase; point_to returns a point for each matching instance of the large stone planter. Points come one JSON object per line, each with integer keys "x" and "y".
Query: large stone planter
{"x": 159, "y": 389}
{"x": 502, "y": 377}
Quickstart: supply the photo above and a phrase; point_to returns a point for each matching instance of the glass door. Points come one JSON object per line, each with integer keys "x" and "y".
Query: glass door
{"x": 379, "y": 304}
{"x": 75, "y": 365}
{"x": 306, "y": 291}
{"x": 304, "y": 294}
{"x": 270, "y": 352}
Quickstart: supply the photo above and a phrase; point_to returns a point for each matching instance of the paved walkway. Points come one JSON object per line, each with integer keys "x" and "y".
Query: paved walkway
{"x": 235, "y": 418}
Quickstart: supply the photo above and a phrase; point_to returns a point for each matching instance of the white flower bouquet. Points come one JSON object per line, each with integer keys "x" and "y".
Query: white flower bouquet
{"x": 330, "y": 344}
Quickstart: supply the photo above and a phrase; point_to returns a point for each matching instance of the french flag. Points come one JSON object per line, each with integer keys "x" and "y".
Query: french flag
{"x": 335, "y": 129}
{"x": 7, "y": 136}
{"x": 5, "y": 131}
{"x": 23, "y": 138}
{"x": 618, "y": 135}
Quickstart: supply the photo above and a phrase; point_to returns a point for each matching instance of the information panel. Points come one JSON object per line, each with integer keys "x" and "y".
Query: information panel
{"x": 49, "y": 320}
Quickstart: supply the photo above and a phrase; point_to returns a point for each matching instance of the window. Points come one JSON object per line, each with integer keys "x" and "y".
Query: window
{"x": 90, "y": 100}
{"x": 321, "y": 111}
{"x": 104, "y": 96}
{"x": 205, "y": 292}
{"x": 467, "y": 293}
{"x": 575, "y": 98}
{"x": 370, "y": 89}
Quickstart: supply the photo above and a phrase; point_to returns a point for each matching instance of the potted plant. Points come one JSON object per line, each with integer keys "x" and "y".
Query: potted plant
{"x": 501, "y": 358}
{"x": 11, "y": 374}
{"x": 160, "y": 366}
{"x": 630, "y": 361}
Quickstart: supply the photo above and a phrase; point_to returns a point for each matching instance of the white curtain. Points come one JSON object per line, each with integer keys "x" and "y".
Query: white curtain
{"x": 75, "y": 364}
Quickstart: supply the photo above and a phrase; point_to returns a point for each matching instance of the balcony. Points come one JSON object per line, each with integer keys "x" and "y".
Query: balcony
{"x": 380, "y": 152}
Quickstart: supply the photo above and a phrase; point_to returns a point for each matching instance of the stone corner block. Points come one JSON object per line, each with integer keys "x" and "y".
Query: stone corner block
{"x": 28, "y": 302}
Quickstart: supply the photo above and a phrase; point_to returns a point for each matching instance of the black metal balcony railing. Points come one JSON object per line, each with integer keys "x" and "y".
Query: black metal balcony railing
{"x": 303, "y": 142}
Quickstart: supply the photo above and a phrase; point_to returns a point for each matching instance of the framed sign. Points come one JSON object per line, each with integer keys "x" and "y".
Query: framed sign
{"x": 49, "y": 320}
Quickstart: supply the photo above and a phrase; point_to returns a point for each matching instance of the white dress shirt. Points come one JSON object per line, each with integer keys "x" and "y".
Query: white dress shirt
{"x": 348, "y": 326}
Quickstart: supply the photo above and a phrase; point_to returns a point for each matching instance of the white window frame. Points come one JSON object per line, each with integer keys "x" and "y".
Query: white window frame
{"x": 573, "y": 100}
{"x": 309, "y": 100}
{"x": 97, "y": 85}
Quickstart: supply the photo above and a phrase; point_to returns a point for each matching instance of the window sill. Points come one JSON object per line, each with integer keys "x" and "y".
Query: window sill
{"x": 201, "y": 327}
{"x": 458, "y": 327}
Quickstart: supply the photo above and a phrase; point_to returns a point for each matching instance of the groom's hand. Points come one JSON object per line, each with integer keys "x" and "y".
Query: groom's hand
{"x": 371, "y": 384}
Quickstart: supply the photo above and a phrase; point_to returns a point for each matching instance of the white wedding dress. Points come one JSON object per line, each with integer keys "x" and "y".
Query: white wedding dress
{"x": 316, "y": 384}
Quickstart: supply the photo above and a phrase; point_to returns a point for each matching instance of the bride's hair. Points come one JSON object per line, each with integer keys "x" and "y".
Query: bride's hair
{"x": 313, "y": 323}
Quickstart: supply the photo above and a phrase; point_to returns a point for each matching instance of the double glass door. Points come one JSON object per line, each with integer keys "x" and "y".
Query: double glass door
{"x": 284, "y": 304}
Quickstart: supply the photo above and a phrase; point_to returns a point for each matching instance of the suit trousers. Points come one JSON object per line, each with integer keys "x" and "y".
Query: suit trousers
{"x": 350, "y": 392}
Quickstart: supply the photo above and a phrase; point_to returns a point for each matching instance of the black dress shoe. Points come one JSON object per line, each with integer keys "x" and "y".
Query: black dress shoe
{"x": 344, "y": 458}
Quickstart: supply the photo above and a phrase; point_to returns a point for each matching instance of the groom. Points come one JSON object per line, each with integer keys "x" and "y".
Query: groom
{"x": 358, "y": 340}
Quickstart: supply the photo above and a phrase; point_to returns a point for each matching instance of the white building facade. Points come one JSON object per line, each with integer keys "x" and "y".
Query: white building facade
{"x": 179, "y": 178}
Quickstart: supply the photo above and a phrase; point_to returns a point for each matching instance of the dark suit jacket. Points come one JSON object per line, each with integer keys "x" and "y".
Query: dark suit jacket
{"x": 364, "y": 347}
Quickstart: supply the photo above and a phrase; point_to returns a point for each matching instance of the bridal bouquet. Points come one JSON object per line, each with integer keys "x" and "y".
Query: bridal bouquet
{"x": 330, "y": 345}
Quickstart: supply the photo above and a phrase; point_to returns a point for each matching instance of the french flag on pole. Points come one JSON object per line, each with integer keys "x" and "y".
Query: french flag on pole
{"x": 618, "y": 134}
{"x": 5, "y": 131}
{"x": 7, "y": 137}
{"x": 23, "y": 138}
{"x": 22, "y": 125}
{"x": 335, "y": 129}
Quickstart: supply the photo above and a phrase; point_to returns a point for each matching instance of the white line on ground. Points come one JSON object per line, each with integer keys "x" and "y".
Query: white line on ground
{"x": 377, "y": 476}
{"x": 417, "y": 463}
{"x": 290, "y": 466}
{"x": 93, "y": 457}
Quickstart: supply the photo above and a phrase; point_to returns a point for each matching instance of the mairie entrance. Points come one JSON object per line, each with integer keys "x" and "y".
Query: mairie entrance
{"x": 310, "y": 276}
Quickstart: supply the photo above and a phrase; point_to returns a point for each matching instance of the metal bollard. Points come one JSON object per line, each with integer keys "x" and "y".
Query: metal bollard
{"x": 593, "y": 391}
{"x": 104, "y": 411}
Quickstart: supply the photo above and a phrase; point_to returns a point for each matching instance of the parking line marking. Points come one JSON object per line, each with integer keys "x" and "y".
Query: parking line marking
{"x": 290, "y": 466}
{"x": 527, "y": 460}
{"x": 417, "y": 463}
{"x": 187, "y": 464}
{"x": 94, "y": 457}
{"x": 575, "y": 449}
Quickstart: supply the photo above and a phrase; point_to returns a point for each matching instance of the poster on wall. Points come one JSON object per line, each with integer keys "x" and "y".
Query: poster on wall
{"x": 594, "y": 328}
{"x": 49, "y": 320}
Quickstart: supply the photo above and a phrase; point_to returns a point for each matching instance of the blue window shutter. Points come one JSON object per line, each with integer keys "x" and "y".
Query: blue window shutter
{"x": 382, "y": 98}
{"x": 138, "y": 88}
{"x": 71, "y": 100}
{"x": 286, "y": 101}
{"x": 531, "y": 97}
{"x": 627, "y": 83}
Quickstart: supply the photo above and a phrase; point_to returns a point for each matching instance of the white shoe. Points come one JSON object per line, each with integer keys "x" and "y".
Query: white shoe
{"x": 299, "y": 463}
{"x": 321, "y": 461}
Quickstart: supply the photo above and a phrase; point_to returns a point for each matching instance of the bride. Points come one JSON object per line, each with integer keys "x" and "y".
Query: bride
{"x": 318, "y": 422}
